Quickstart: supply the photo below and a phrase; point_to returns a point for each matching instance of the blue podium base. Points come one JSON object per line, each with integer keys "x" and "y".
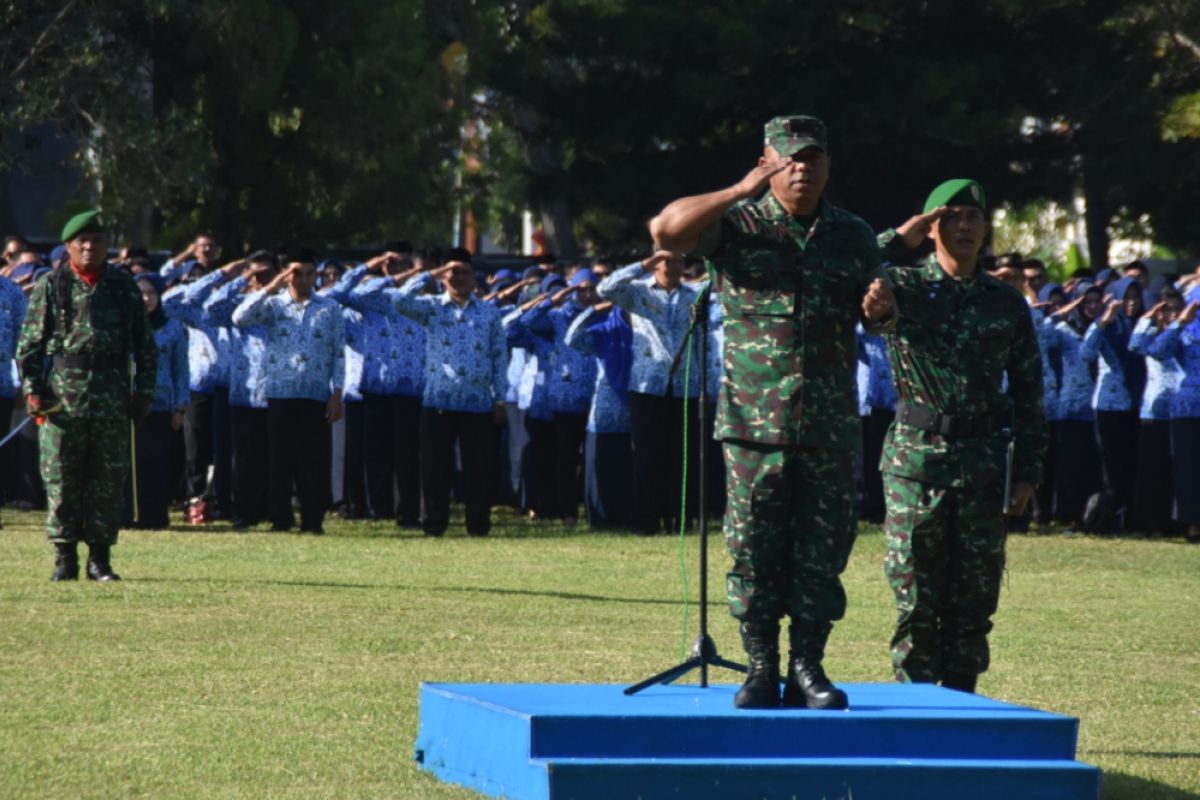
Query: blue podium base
{"x": 579, "y": 742}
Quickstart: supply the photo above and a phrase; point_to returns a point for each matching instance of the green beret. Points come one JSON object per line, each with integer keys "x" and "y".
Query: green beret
{"x": 789, "y": 135}
{"x": 87, "y": 222}
{"x": 957, "y": 192}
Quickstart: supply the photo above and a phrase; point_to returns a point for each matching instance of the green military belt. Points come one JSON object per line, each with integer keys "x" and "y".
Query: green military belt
{"x": 927, "y": 419}
{"x": 90, "y": 361}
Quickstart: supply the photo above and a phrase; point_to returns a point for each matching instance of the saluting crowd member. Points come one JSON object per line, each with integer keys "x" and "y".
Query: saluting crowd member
{"x": 1181, "y": 340}
{"x": 795, "y": 275}
{"x": 84, "y": 325}
{"x": 877, "y": 407}
{"x": 959, "y": 440}
{"x": 305, "y": 367}
{"x": 1077, "y": 474}
{"x": 247, "y": 384}
{"x": 152, "y": 443}
{"x": 1048, "y": 300}
{"x": 602, "y": 332}
{"x": 465, "y": 358}
{"x": 1154, "y": 492}
{"x": 664, "y": 384}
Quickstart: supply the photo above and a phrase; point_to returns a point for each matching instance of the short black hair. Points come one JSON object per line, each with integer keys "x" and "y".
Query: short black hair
{"x": 458, "y": 254}
{"x": 264, "y": 257}
{"x": 1138, "y": 265}
{"x": 297, "y": 254}
{"x": 402, "y": 246}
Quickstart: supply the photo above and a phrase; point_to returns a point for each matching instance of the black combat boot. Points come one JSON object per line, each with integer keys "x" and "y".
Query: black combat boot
{"x": 98, "y": 568}
{"x": 66, "y": 562}
{"x": 761, "y": 689}
{"x": 960, "y": 681}
{"x": 807, "y": 687}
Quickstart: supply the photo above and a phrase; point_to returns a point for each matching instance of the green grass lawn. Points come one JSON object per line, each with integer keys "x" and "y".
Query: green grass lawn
{"x": 274, "y": 665}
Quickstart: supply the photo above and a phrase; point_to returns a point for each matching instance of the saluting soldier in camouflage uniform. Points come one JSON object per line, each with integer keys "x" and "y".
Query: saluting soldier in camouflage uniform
{"x": 946, "y": 461}
{"x": 795, "y": 275}
{"x": 85, "y": 322}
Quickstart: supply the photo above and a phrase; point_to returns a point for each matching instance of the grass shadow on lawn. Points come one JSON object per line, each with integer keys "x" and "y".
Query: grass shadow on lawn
{"x": 1119, "y": 786}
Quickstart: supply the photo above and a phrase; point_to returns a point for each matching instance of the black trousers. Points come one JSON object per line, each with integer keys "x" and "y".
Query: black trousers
{"x": 299, "y": 445}
{"x": 251, "y": 463}
{"x": 1044, "y": 498}
{"x": 608, "y": 480}
{"x": 874, "y": 430}
{"x": 1077, "y": 474}
{"x": 406, "y": 458}
{"x": 197, "y": 443}
{"x": 8, "y": 463}
{"x": 1154, "y": 495}
{"x": 569, "y": 432}
{"x": 440, "y": 431}
{"x": 222, "y": 452}
{"x": 540, "y": 486}
{"x": 1116, "y": 442}
{"x": 656, "y": 434}
{"x": 354, "y": 485}
{"x": 378, "y": 465}
{"x": 152, "y": 456}
{"x": 1185, "y": 463}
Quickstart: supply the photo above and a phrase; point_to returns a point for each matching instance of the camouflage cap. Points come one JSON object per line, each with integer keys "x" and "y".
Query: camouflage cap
{"x": 788, "y": 135}
{"x": 87, "y": 222}
{"x": 957, "y": 192}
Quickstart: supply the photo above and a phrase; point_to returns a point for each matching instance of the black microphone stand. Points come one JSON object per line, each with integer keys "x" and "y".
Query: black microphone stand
{"x": 704, "y": 651}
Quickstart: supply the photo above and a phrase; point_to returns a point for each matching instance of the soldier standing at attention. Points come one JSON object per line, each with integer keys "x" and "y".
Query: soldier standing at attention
{"x": 961, "y": 452}
{"x": 795, "y": 275}
{"x": 85, "y": 322}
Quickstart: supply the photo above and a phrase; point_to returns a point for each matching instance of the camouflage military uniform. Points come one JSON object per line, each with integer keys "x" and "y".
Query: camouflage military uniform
{"x": 791, "y": 291}
{"x": 955, "y": 341}
{"x": 80, "y": 359}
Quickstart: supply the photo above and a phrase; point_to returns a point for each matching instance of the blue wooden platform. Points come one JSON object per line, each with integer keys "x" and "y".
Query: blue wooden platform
{"x": 579, "y": 742}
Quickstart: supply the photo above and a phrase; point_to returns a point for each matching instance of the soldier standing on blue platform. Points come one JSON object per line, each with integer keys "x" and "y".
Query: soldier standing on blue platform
{"x": 85, "y": 323}
{"x": 795, "y": 275}
{"x": 961, "y": 452}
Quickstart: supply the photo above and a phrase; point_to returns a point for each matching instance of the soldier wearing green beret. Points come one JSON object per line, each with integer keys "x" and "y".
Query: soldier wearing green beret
{"x": 85, "y": 323}
{"x": 795, "y": 275}
{"x": 963, "y": 450}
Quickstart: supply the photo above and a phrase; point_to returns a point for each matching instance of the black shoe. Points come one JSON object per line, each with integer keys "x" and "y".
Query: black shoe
{"x": 66, "y": 562}
{"x": 960, "y": 681}
{"x": 807, "y": 687}
{"x": 98, "y": 568}
{"x": 761, "y": 689}
{"x": 315, "y": 531}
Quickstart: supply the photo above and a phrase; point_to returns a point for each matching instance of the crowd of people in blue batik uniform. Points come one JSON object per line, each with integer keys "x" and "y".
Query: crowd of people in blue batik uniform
{"x": 559, "y": 386}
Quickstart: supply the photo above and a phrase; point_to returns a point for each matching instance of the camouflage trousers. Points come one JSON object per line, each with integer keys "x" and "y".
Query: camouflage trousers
{"x": 789, "y": 526}
{"x": 84, "y": 463}
{"x": 944, "y": 562}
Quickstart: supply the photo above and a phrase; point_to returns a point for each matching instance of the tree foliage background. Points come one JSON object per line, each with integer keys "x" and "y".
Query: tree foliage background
{"x": 358, "y": 121}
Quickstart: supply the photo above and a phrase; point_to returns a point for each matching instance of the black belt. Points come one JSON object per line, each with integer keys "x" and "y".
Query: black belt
{"x": 90, "y": 361}
{"x": 926, "y": 419}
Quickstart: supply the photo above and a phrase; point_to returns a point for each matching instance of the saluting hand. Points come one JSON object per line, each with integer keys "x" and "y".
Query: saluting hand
{"x": 917, "y": 228}
{"x": 1110, "y": 313}
{"x": 1188, "y": 315}
{"x": 878, "y": 301}
{"x": 280, "y": 280}
{"x": 1069, "y": 307}
{"x": 757, "y": 178}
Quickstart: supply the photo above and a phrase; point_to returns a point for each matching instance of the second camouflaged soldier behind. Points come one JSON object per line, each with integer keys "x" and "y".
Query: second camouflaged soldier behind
{"x": 795, "y": 275}
{"x": 961, "y": 451}
{"x": 86, "y": 321}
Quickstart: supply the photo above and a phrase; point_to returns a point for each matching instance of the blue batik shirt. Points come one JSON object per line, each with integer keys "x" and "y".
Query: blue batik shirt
{"x": 465, "y": 351}
{"x": 661, "y": 321}
{"x": 572, "y": 375}
{"x": 368, "y": 334}
{"x": 716, "y": 347}
{"x": 404, "y": 361}
{"x": 609, "y": 411}
{"x": 533, "y": 395}
{"x": 172, "y": 382}
{"x": 1183, "y": 344}
{"x": 1163, "y": 376}
{"x": 876, "y": 388}
{"x": 247, "y": 347}
{"x": 208, "y": 345}
{"x": 12, "y": 314}
{"x": 1076, "y": 384}
{"x": 356, "y": 353}
{"x": 1111, "y": 392}
{"x": 306, "y": 343}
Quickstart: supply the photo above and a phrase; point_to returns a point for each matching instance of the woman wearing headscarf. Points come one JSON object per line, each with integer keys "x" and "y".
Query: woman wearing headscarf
{"x": 1076, "y": 474}
{"x": 1050, "y": 298}
{"x": 149, "y": 492}
{"x": 1181, "y": 340}
{"x": 1120, "y": 379}
{"x": 1154, "y": 485}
